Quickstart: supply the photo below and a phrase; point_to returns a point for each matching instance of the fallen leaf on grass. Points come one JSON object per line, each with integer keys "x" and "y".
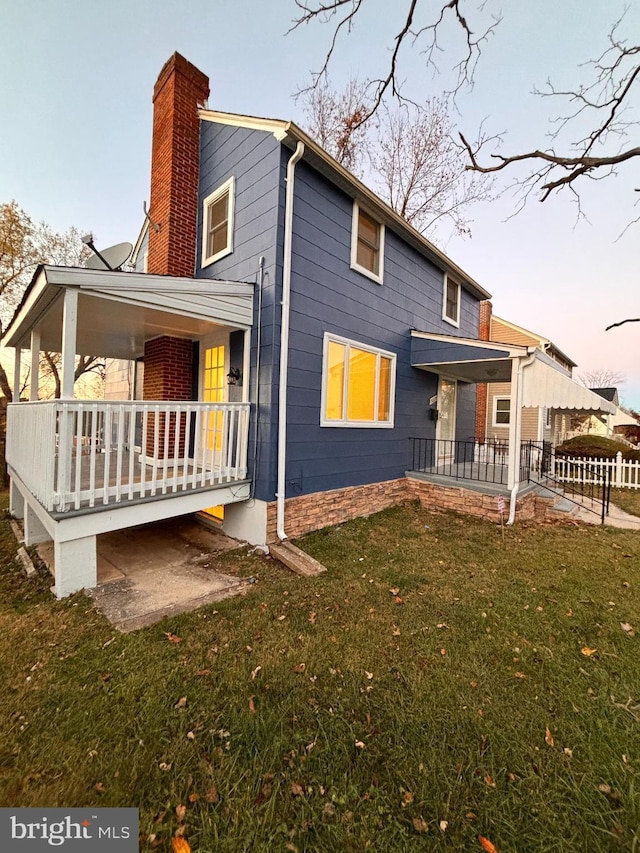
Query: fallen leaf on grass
{"x": 487, "y": 845}
{"x": 398, "y": 600}
{"x": 360, "y": 744}
{"x": 312, "y": 618}
{"x": 444, "y": 825}
{"x": 394, "y": 590}
{"x": 255, "y": 672}
{"x": 587, "y": 652}
{"x": 181, "y": 703}
{"x": 420, "y": 825}
{"x": 489, "y": 781}
{"x": 568, "y": 751}
{"x": 519, "y": 675}
{"x": 548, "y": 737}
{"x": 212, "y": 795}
{"x": 396, "y": 631}
{"x": 297, "y": 790}
{"x": 193, "y": 798}
{"x": 173, "y": 638}
{"x": 252, "y": 705}
{"x": 627, "y": 629}
{"x": 443, "y": 651}
{"x": 300, "y": 667}
{"x": 407, "y": 799}
{"x": 180, "y": 845}
{"x": 99, "y": 787}
{"x": 180, "y": 813}
{"x": 203, "y": 672}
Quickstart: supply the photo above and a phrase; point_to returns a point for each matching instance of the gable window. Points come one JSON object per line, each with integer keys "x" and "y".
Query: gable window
{"x": 367, "y": 244}
{"x": 217, "y": 223}
{"x": 501, "y": 411}
{"x": 451, "y": 301}
{"x": 358, "y": 384}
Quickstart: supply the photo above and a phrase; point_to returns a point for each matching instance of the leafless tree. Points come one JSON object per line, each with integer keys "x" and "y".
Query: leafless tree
{"x": 601, "y": 377}
{"x": 420, "y": 170}
{"x": 23, "y": 245}
{"x": 602, "y": 104}
{"x": 334, "y": 119}
{"x": 421, "y": 25}
{"x": 408, "y": 153}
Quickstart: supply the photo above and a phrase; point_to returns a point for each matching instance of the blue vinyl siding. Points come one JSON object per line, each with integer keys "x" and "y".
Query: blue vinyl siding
{"x": 328, "y": 296}
{"x": 253, "y": 158}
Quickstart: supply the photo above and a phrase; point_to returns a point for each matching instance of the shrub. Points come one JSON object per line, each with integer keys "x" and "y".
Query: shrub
{"x": 596, "y": 446}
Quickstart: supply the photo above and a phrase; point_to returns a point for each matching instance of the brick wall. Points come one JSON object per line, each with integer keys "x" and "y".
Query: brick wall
{"x": 167, "y": 376}
{"x": 484, "y": 333}
{"x": 180, "y": 88}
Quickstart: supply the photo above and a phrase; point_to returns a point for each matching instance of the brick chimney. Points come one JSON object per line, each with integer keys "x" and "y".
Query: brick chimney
{"x": 484, "y": 333}
{"x": 178, "y": 92}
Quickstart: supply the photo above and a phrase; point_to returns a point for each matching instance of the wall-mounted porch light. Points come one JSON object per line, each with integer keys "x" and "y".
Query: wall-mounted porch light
{"x": 233, "y": 376}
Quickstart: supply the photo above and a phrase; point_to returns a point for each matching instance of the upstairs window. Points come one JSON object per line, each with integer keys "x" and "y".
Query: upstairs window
{"x": 501, "y": 411}
{"x": 367, "y": 244}
{"x": 217, "y": 223}
{"x": 451, "y": 301}
{"x": 358, "y": 384}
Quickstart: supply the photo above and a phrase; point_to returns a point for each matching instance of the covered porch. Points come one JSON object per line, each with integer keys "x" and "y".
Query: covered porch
{"x": 500, "y": 466}
{"x": 79, "y": 468}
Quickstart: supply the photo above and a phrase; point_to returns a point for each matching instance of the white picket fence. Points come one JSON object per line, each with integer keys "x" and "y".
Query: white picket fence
{"x": 623, "y": 473}
{"x": 77, "y": 454}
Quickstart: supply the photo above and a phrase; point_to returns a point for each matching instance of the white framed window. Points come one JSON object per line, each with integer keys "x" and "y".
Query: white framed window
{"x": 450, "y": 301}
{"x": 358, "y": 384}
{"x": 217, "y": 223}
{"x": 367, "y": 244}
{"x": 501, "y": 411}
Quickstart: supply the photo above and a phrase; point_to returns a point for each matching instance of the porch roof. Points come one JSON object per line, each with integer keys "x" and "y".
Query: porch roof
{"x": 545, "y": 383}
{"x": 118, "y": 311}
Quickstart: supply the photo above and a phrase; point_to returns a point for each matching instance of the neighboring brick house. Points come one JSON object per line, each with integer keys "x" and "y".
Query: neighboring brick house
{"x": 295, "y": 333}
{"x": 493, "y": 409}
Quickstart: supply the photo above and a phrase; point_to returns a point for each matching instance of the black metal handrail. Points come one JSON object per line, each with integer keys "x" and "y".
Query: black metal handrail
{"x": 461, "y": 460}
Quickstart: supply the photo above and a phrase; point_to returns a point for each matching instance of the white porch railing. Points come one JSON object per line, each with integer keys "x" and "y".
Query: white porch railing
{"x": 76, "y": 454}
{"x": 623, "y": 473}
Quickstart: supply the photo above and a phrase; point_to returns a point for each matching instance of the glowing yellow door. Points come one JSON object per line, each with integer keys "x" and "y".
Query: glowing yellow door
{"x": 214, "y": 390}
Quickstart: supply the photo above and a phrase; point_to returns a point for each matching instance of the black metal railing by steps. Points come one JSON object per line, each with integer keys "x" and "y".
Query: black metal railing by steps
{"x": 586, "y": 484}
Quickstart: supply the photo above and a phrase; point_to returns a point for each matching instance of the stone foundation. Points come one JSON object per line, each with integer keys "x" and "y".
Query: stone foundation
{"x": 325, "y": 509}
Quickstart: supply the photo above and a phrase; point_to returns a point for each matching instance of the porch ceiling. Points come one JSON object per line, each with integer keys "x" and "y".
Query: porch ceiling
{"x": 119, "y": 311}
{"x": 465, "y": 359}
{"x": 544, "y": 382}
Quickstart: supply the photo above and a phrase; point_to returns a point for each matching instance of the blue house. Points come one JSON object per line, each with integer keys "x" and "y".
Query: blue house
{"x": 294, "y": 338}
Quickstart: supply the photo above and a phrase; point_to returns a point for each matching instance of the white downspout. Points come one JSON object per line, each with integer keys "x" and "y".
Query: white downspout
{"x": 515, "y": 427}
{"x": 284, "y": 341}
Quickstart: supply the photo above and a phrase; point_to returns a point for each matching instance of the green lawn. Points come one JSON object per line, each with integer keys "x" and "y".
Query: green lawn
{"x": 434, "y": 687}
{"x": 627, "y": 499}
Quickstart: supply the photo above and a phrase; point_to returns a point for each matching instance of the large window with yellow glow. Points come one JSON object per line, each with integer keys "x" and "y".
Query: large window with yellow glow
{"x": 358, "y": 384}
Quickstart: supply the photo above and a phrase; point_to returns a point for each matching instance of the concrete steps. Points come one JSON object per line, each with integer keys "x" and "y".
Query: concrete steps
{"x": 296, "y": 560}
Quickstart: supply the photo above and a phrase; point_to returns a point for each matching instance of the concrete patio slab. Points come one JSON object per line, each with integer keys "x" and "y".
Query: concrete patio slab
{"x": 146, "y": 573}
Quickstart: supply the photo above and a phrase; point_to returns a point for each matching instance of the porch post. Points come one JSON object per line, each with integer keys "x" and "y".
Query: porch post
{"x": 515, "y": 421}
{"x": 75, "y": 565}
{"x": 34, "y": 376}
{"x": 17, "y": 363}
{"x": 69, "y": 332}
{"x": 246, "y": 362}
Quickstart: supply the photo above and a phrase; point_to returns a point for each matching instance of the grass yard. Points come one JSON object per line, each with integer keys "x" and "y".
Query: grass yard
{"x": 627, "y": 499}
{"x": 435, "y": 688}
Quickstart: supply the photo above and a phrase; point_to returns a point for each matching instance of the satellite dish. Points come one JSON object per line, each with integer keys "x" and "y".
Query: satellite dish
{"x": 112, "y": 258}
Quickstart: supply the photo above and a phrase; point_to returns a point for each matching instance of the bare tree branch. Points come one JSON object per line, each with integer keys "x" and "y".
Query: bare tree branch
{"x": 622, "y": 322}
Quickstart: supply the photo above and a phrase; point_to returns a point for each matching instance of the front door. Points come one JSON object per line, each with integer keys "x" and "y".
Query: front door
{"x": 446, "y": 424}
{"x": 214, "y": 354}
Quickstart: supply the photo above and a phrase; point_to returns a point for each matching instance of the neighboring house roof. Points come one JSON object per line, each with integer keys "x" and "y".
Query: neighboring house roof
{"x": 290, "y": 134}
{"x": 546, "y": 344}
{"x": 610, "y": 394}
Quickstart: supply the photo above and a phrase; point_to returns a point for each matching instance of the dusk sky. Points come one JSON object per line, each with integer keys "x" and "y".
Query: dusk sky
{"x": 75, "y": 136}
